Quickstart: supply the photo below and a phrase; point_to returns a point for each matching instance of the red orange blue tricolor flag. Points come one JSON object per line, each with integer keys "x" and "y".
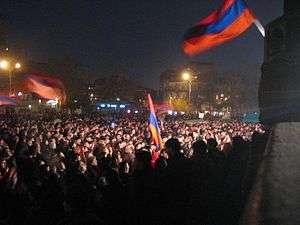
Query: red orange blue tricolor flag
{"x": 232, "y": 19}
{"x": 45, "y": 86}
{"x": 7, "y": 101}
{"x": 153, "y": 125}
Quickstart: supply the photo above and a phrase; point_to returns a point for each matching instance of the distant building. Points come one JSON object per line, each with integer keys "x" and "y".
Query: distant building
{"x": 172, "y": 85}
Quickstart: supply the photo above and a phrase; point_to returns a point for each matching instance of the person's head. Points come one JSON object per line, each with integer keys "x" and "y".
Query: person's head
{"x": 124, "y": 168}
{"x": 29, "y": 142}
{"x": 82, "y": 167}
{"x": 161, "y": 163}
{"x": 142, "y": 160}
{"x": 129, "y": 149}
{"x": 2, "y": 142}
{"x": 211, "y": 144}
{"x": 92, "y": 160}
{"x": 173, "y": 147}
{"x": 199, "y": 148}
{"x": 226, "y": 149}
{"x": 238, "y": 143}
{"x": 3, "y": 164}
{"x": 52, "y": 144}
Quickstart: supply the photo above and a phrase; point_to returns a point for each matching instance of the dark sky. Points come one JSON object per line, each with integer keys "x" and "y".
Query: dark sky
{"x": 140, "y": 36}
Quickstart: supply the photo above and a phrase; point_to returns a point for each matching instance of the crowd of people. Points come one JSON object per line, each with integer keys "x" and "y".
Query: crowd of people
{"x": 95, "y": 169}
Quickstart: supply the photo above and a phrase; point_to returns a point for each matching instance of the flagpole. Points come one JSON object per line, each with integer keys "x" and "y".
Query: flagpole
{"x": 260, "y": 27}
{"x": 257, "y": 23}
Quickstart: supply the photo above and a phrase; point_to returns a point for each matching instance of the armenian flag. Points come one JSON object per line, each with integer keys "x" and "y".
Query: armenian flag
{"x": 231, "y": 20}
{"x": 7, "y": 101}
{"x": 153, "y": 125}
{"x": 45, "y": 86}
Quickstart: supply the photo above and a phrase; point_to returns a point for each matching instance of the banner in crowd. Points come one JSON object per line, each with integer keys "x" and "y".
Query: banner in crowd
{"x": 231, "y": 20}
{"x": 46, "y": 87}
{"x": 7, "y": 101}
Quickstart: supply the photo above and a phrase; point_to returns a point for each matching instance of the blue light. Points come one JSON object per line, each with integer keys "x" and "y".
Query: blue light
{"x": 122, "y": 106}
{"x": 113, "y": 106}
{"x": 108, "y": 105}
{"x": 102, "y": 105}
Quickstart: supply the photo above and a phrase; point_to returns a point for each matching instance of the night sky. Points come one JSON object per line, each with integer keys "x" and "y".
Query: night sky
{"x": 140, "y": 37}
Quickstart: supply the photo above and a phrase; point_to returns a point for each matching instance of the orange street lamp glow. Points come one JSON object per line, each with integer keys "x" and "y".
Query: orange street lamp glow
{"x": 4, "y": 64}
{"x": 18, "y": 66}
{"x": 186, "y": 76}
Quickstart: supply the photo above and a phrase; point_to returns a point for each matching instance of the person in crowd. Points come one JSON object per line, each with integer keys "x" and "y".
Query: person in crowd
{"x": 174, "y": 183}
{"x": 78, "y": 199}
{"x": 237, "y": 162}
{"x": 199, "y": 150}
{"x": 215, "y": 170}
{"x": 142, "y": 189}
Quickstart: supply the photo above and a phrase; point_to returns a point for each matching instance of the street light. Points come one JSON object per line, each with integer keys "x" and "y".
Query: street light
{"x": 5, "y": 65}
{"x": 18, "y": 66}
{"x": 186, "y": 76}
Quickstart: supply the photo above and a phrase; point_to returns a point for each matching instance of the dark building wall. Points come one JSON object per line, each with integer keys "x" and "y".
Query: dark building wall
{"x": 291, "y": 7}
{"x": 274, "y": 198}
{"x": 279, "y": 94}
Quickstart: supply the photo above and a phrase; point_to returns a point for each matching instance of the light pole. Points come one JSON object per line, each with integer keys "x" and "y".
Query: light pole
{"x": 5, "y": 65}
{"x": 186, "y": 76}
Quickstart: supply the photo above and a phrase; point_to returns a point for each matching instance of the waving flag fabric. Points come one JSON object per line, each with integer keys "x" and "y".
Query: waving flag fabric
{"x": 7, "y": 101}
{"x": 231, "y": 20}
{"x": 162, "y": 107}
{"x": 153, "y": 124}
{"x": 46, "y": 87}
